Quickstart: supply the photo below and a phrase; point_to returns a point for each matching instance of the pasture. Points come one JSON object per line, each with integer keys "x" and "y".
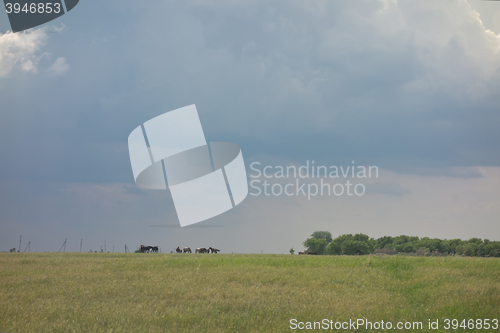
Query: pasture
{"x": 112, "y": 292}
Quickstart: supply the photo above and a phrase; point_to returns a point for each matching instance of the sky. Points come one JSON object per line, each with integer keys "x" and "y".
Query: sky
{"x": 408, "y": 86}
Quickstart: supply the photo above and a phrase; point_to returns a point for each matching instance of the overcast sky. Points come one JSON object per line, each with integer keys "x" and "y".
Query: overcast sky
{"x": 409, "y": 86}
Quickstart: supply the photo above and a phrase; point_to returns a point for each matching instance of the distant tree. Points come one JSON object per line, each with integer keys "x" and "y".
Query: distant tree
{"x": 358, "y": 242}
{"x": 333, "y": 248}
{"x": 409, "y": 247}
{"x": 326, "y": 235}
{"x": 451, "y": 245}
{"x": 436, "y": 244}
{"x": 317, "y": 245}
{"x": 492, "y": 249}
{"x": 370, "y": 242}
{"x": 467, "y": 249}
{"x": 383, "y": 242}
{"x": 292, "y": 251}
{"x": 481, "y": 250}
{"x": 405, "y": 243}
{"x": 361, "y": 237}
{"x": 351, "y": 247}
{"x": 475, "y": 240}
{"x": 351, "y": 244}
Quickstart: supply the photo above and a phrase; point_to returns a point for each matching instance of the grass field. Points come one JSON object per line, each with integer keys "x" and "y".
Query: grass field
{"x": 73, "y": 292}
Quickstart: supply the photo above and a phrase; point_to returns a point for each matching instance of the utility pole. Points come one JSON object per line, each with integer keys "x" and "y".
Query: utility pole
{"x": 126, "y": 249}
{"x": 19, "y": 250}
{"x": 28, "y": 247}
{"x": 64, "y": 245}
{"x": 81, "y": 241}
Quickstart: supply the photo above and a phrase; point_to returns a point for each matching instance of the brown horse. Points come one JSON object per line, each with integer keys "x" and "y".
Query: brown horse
{"x": 187, "y": 250}
{"x": 178, "y": 250}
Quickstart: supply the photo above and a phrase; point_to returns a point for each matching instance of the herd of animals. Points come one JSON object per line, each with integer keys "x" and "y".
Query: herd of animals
{"x": 148, "y": 249}
{"x": 198, "y": 250}
{"x": 154, "y": 249}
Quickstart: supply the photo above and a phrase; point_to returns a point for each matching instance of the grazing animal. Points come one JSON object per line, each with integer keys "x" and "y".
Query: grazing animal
{"x": 199, "y": 250}
{"x": 313, "y": 253}
{"x": 187, "y": 250}
{"x": 145, "y": 249}
{"x": 359, "y": 252}
{"x": 178, "y": 250}
{"x": 13, "y": 249}
{"x": 154, "y": 249}
{"x": 305, "y": 252}
{"x": 215, "y": 250}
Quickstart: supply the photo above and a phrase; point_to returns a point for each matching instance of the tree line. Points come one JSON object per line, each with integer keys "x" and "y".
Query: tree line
{"x": 322, "y": 242}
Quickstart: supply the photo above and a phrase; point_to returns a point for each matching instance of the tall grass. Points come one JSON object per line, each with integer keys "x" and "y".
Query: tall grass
{"x": 73, "y": 292}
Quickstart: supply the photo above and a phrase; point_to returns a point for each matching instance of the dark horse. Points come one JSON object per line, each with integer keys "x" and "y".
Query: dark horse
{"x": 178, "y": 250}
{"x": 145, "y": 249}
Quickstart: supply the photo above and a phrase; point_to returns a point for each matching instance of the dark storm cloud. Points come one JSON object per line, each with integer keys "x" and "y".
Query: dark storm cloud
{"x": 358, "y": 81}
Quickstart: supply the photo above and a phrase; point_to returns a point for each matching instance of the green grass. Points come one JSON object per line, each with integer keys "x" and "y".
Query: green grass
{"x": 73, "y": 292}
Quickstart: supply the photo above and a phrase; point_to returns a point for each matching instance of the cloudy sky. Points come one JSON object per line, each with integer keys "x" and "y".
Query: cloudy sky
{"x": 409, "y": 86}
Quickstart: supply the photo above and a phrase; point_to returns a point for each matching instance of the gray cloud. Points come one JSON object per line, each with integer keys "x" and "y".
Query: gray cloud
{"x": 404, "y": 86}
